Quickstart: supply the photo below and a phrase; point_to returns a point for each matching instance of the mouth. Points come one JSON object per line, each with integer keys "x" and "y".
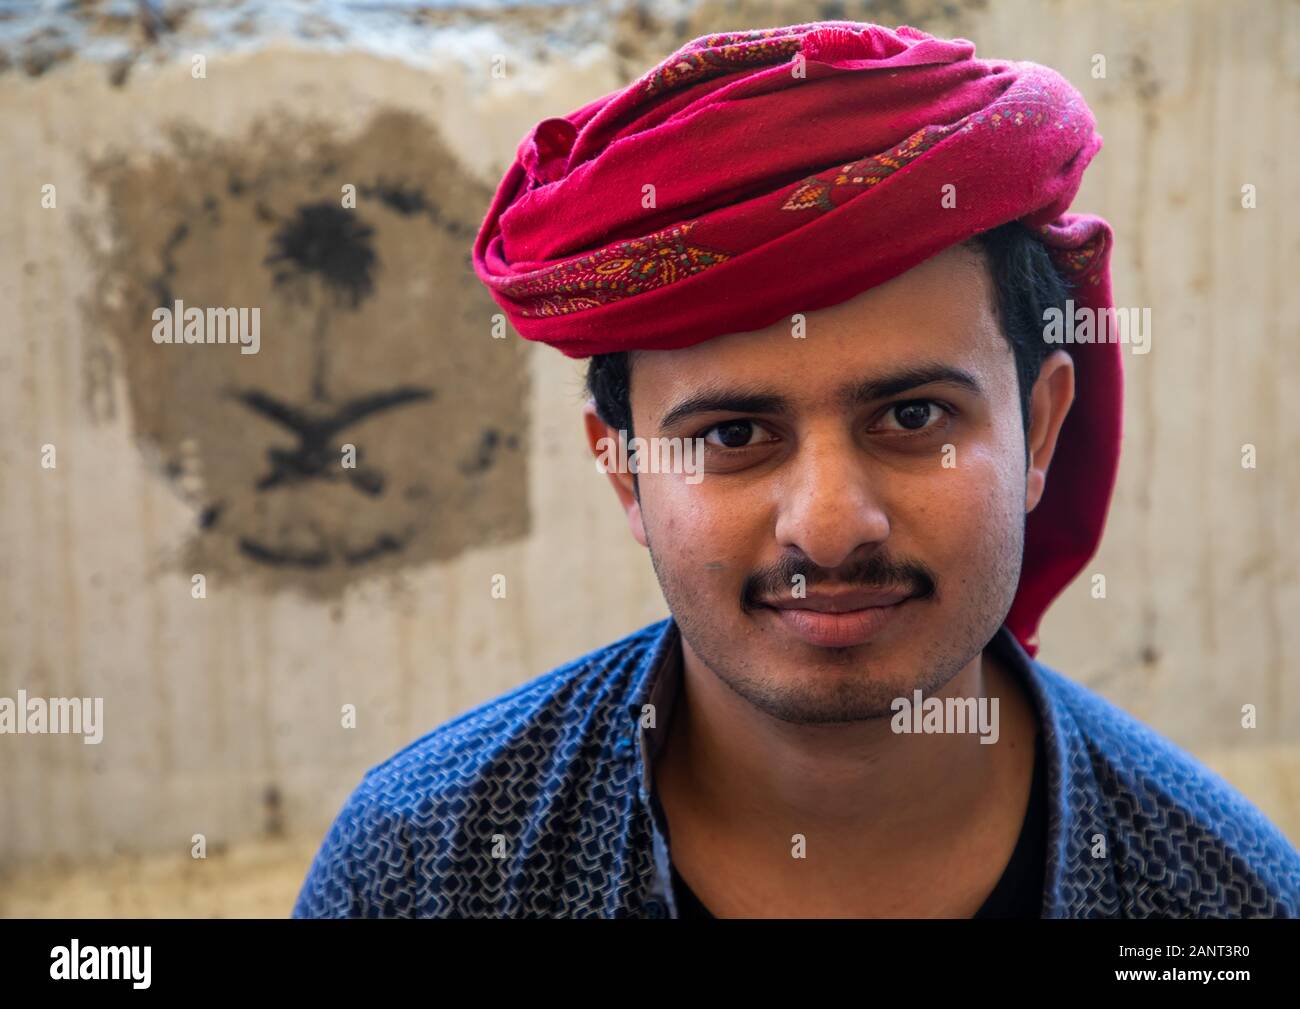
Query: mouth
{"x": 842, "y": 620}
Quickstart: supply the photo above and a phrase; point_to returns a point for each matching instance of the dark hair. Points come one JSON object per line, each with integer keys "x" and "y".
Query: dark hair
{"x": 1026, "y": 282}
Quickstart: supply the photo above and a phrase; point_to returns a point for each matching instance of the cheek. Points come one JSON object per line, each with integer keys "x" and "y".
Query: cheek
{"x": 706, "y": 528}
{"x": 960, "y": 512}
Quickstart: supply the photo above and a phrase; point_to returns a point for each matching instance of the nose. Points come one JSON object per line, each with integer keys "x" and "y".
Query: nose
{"x": 829, "y": 506}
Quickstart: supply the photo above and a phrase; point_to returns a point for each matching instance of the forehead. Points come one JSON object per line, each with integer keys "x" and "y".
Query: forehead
{"x": 942, "y": 311}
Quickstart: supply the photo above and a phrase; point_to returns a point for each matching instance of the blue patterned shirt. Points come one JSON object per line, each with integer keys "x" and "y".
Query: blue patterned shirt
{"x": 539, "y": 804}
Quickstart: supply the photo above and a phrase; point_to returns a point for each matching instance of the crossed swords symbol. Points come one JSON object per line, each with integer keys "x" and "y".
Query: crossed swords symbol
{"x": 317, "y": 456}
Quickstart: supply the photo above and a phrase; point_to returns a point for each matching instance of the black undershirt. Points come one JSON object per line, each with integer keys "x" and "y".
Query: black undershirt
{"x": 1018, "y": 894}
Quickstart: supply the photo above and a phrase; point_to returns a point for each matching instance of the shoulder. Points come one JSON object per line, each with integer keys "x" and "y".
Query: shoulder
{"x": 427, "y": 822}
{"x": 1184, "y": 841}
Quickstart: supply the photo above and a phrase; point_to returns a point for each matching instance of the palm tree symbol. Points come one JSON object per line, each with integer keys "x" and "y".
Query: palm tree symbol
{"x": 333, "y": 246}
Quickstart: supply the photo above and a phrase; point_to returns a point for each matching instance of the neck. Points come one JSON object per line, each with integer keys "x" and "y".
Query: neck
{"x": 873, "y": 802}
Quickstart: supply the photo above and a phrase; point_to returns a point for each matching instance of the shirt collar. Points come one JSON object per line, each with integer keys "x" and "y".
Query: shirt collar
{"x": 656, "y": 683}
{"x": 1075, "y": 818}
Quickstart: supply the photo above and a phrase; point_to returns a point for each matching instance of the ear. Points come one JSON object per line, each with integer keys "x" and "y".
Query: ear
{"x": 604, "y": 444}
{"x": 1049, "y": 402}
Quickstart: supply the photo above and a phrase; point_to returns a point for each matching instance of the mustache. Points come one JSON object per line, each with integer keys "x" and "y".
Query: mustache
{"x": 874, "y": 572}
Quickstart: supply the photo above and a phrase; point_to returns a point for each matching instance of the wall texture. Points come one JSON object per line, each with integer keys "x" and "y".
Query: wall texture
{"x": 222, "y": 713}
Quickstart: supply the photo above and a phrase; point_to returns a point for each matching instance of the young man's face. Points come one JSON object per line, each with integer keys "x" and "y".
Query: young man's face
{"x": 917, "y": 493}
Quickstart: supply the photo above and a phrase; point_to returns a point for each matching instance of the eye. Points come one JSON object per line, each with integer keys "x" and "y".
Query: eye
{"x": 916, "y": 415}
{"x": 731, "y": 434}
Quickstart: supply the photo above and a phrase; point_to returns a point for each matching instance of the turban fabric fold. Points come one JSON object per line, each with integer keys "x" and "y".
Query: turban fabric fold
{"x": 792, "y": 169}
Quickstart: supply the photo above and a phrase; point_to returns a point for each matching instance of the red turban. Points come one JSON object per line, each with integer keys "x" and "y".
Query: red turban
{"x": 794, "y": 168}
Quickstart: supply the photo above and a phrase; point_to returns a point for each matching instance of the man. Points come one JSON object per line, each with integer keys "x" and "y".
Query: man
{"x": 823, "y": 256}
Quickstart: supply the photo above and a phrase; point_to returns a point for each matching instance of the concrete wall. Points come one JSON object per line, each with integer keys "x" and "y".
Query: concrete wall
{"x": 223, "y": 712}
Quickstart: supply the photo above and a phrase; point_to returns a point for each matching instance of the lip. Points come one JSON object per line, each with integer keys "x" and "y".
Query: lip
{"x": 840, "y": 602}
{"x": 837, "y": 628}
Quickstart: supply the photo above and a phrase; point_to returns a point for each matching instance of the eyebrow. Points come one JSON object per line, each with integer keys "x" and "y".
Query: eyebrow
{"x": 852, "y": 394}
